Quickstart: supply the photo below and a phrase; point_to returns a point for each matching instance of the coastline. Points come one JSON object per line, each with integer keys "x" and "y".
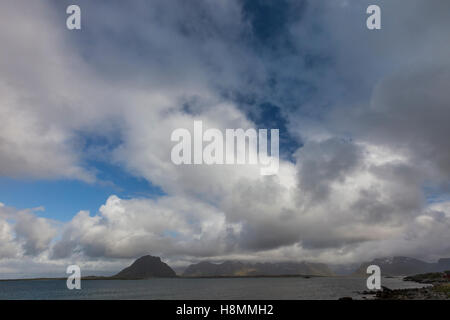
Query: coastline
{"x": 438, "y": 288}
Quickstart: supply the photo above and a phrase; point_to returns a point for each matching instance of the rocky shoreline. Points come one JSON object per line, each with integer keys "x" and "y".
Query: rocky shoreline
{"x": 438, "y": 289}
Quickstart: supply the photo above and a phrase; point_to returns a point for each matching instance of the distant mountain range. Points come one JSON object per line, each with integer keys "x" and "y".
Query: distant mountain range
{"x": 240, "y": 269}
{"x": 404, "y": 266}
{"x": 152, "y": 267}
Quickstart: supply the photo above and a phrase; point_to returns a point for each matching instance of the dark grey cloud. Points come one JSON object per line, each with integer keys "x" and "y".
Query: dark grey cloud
{"x": 322, "y": 163}
{"x": 409, "y": 112}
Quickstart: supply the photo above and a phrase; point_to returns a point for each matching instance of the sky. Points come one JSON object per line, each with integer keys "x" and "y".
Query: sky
{"x": 85, "y": 171}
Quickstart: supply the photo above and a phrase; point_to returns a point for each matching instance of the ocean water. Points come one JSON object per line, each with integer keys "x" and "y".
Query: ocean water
{"x": 179, "y": 288}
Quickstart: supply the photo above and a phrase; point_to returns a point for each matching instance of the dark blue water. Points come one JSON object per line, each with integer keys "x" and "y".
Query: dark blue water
{"x": 230, "y": 288}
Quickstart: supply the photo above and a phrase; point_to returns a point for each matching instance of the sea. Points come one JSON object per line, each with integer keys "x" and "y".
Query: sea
{"x": 289, "y": 288}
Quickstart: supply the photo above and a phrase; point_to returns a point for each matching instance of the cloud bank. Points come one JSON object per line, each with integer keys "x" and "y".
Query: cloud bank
{"x": 364, "y": 112}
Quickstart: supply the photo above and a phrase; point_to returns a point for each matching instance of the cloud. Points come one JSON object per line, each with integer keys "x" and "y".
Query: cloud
{"x": 35, "y": 233}
{"x": 48, "y": 96}
{"x": 129, "y": 228}
{"x": 369, "y": 199}
{"x": 409, "y": 120}
{"x": 8, "y": 248}
{"x": 367, "y": 109}
{"x": 322, "y": 163}
{"x": 23, "y": 233}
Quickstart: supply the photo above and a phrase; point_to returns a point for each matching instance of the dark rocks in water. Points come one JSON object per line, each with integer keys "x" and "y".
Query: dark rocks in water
{"x": 368, "y": 292}
{"x": 431, "y": 278}
{"x": 146, "y": 267}
{"x": 439, "y": 290}
{"x": 242, "y": 269}
{"x": 428, "y": 293}
{"x": 386, "y": 289}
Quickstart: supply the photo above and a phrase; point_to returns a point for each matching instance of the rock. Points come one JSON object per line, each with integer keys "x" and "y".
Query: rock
{"x": 431, "y": 278}
{"x": 386, "y": 289}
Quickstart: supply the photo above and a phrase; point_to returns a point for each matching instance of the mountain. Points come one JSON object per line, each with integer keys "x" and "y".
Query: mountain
{"x": 443, "y": 264}
{"x": 237, "y": 268}
{"x": 404, "y": 266}
{"x": 346, "y": 269}
{"x": 146, "y": 267}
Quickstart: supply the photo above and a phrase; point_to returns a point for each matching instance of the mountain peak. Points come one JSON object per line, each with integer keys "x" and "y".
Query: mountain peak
{"x": 147, "y": 258}
{"x": 146, "y": 267}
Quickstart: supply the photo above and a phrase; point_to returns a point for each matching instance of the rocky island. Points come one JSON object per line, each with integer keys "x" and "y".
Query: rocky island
{"x": 146, "y": 267}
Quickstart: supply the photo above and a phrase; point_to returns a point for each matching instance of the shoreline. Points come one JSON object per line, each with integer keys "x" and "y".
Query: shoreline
{"x": 437, "y": 288}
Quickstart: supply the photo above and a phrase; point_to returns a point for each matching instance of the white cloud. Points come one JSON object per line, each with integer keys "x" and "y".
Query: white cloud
{"x": 8, "y": 248}
{"x": 35, "y": 233}
{"x": 168, "y": 226}
{"x": 343, "y": 200}
{"x": 23, "y": 233}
